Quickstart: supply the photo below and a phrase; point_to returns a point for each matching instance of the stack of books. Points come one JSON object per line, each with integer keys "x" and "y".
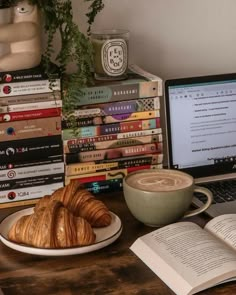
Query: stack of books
{"x": 31, "y": 149}
{"x": 117, "y": 131}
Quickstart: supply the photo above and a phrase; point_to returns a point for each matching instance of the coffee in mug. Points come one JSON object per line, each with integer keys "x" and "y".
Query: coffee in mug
{"x": 159, "y": 197}
{"x": 160, "y": 181}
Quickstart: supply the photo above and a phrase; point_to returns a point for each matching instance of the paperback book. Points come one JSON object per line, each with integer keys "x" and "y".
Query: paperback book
{"x": 139, "y": 84}
{"x": 189, "y": 258}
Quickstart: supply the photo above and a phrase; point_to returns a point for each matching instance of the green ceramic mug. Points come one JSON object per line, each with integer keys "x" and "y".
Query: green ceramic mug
{"x": 161, "y": 196}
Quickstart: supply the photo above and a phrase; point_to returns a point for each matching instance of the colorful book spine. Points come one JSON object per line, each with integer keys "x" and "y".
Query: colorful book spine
{"x": 28, "y": 115}
{"x": 150, "y": 159}
{"x": 113, "y": 128}
{"x": 104, "y": 186}
{"x": 120, "y": 107}
{"x": 139, "y": 84}
{"x": 111, "y": 119}
{"x": 102, "y": 176}
{"x": 86, "y": 168}
{"x": 86, "y": 140}
{"x": 73, "y": 147}
{"x": 135, "y": 150}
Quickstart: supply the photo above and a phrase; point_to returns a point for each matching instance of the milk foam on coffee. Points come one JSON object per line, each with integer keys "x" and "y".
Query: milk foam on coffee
{"x": 162, "y": 180}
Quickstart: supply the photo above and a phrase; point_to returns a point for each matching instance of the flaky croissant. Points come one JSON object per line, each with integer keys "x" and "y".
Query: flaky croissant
{"x": 53, "y": 226}
{"x": 80, "y": 202}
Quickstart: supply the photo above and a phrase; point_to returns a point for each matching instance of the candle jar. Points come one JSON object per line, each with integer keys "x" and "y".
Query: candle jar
{"x": 110, "y": 52}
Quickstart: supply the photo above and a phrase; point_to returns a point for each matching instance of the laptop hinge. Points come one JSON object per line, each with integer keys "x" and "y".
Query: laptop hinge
{"x": 215, "y": 178}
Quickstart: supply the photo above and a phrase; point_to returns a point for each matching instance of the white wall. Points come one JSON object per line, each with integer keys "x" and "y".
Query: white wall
{"x": 174, "y": 38}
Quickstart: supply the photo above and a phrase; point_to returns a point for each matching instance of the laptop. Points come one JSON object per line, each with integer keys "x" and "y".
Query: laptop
{"x": 201, "y": 135}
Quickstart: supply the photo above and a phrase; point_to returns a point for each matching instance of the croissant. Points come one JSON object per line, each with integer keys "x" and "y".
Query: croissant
{"x": 53, "y": 226}
{"x": 81, "y": 203}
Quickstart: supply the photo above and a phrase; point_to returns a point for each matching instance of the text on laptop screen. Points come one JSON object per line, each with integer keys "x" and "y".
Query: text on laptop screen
{"x": 202, "y": 118}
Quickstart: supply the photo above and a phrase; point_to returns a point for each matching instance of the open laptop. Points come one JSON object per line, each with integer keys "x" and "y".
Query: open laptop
{"x": 201, "y": 135}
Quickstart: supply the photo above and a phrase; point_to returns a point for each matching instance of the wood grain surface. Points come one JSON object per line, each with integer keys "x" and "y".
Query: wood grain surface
{"x": 111, "y": 270}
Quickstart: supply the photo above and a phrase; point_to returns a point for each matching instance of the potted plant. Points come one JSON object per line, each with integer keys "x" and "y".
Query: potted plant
{"x": 75, "y": 46}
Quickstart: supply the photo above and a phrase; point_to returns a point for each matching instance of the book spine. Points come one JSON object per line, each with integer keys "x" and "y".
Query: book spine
{"x": 30, "y": 106}
{"x": 25, "y": 195}
{"x": 31, "y": 182}
{"x": 112, "y": 119}
{"x": 35, "y": 171}
{"x": 155, "y": 158}
{"x": 101, "y": 176}
{"x": 116, "y": 153}
{"x": 30, "y": 98}
{"x": 73, "y": 147}
{"x": 32, "y": 74}
{"x": 104, "y": 186}
{"x": 109, "y": 137}
{"x": 116, "y": 108}
{"x": 31, "y": 149}
{"x": 30, "y": 87}
{"x": 28, "y": 115}
{"x": 136, "y": 69}
{"x": 86, "y": 168}
{"x": 119, "y": 92}
{"x": 30, "y": 129}
{"x": 106, "y": 129}
{"x": 29, "y": 163}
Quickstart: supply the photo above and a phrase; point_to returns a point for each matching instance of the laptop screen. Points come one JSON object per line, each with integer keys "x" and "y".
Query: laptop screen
{"x": 201, "y": 124}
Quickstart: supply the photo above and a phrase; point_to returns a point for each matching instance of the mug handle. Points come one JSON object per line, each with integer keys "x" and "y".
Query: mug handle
{"x": 209, "y": 196}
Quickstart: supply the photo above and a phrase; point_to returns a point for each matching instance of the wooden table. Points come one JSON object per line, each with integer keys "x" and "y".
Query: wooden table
{"x": 111, "y": 270}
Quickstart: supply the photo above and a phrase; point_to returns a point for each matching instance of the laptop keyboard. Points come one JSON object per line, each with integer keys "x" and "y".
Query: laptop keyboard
{"x": 223, "y": 191}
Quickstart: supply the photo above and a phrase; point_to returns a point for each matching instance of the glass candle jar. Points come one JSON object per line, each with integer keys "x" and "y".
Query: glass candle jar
{"x": 110, "y": 48}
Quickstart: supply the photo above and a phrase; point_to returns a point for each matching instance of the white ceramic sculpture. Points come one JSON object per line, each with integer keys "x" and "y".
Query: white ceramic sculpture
{"x": 24, "y": 37}
{"x": 5, "y": 18}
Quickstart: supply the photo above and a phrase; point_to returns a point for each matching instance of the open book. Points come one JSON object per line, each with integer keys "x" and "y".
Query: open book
{"x": 188, "y": 258}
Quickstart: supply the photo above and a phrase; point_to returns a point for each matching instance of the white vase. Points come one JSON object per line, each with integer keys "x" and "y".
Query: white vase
{"x": 23, "y": 34}
{"x": 5, "y": 18}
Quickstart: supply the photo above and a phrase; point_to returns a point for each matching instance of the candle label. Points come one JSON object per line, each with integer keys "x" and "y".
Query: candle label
{"x": 114, "y": 57}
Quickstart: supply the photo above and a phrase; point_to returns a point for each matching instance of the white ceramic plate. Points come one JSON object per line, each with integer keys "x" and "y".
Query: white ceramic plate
{"x": 104, "y": 236}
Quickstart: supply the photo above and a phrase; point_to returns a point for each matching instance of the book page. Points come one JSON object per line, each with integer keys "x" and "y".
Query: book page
{"x": 186, "y": 257}
{"x": 224, "y": 227}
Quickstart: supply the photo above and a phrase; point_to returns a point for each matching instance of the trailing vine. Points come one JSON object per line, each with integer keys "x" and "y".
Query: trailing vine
{"x": 75, "y": 46}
